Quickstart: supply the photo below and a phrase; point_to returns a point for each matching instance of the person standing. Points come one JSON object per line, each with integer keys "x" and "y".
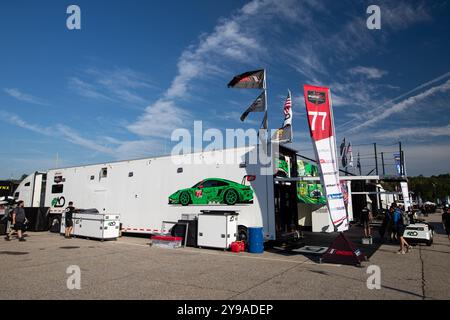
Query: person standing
{"x": 446, "y": 221}
{"x": 68, "y": 220}
{"x": 390, "y": 228}
{"x": 400, "y": 221}
{"x": 18, "y": 221}
{"x": 366, "y": 217}
{"x": 385, "y": 225}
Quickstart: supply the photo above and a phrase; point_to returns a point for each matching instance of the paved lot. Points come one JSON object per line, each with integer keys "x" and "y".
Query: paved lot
{"x": 130, "y": 269}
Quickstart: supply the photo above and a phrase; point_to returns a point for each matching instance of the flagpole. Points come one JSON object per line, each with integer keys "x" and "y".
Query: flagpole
{"x": 265, "y": 100}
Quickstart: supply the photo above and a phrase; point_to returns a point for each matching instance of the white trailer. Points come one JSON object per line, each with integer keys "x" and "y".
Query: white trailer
{"x": 139, "y": 190}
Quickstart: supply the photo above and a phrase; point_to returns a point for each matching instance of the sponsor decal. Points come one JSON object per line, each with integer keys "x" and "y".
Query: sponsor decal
{"x": 58, "y": 202}
{"x": 59, "y": 178}
{"x": 332, "y": 173}
{"x": 335, "y": 196}
{"x": 412, "y": 233}
{"x": 331, "y": 185}
{"x": 316, "y": 97}
{"x": 323, "y": 161}
{"x": 198, "y": 193}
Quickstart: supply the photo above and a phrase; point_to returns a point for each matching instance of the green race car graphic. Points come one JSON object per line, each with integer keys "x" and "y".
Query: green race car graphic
{"x": 282, "y": 167}
{"x": 214, "y": 191}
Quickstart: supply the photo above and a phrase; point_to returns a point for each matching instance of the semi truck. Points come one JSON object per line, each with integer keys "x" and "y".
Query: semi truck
{"x": 147, "y": 192}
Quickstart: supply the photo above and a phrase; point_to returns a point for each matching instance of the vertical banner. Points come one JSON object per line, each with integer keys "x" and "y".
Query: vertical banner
{"x": 321, "y": 126}
{"x": 405, "y": 193}
{"x": 398, "y": 165}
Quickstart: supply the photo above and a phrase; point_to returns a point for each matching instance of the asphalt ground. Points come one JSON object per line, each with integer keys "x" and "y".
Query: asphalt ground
{"x": 130, "y": 268}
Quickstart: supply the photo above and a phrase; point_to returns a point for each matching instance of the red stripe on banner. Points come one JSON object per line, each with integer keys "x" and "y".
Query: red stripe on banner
{"x": 339, "y": 220}
{"x": 155, "y": 229}
{"x": 134, "y": 229}
{"x": 141, "y": 230}
{"x": 148, "y": 229}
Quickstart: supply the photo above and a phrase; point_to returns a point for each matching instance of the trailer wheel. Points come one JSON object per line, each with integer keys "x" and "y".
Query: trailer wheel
{"x": 184, "y": 198}
{"x": 231, "y": 197}
{"x": 243, "y": 233}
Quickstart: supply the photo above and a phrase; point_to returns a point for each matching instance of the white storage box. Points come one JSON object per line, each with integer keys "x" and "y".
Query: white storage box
{"x": 217, "y": 229}
{"x": 94, "y": 225}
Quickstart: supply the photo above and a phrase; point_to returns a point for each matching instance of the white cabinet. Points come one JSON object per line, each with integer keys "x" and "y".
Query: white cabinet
{"x": 94, "y": 225}
{"x": 217, "y": 230}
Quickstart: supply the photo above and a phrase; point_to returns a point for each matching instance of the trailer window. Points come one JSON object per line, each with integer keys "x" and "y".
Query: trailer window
{"x": 104, "y": 173}
{"x": 57, "y": 188}
{"x": 92, "y": 177}
{"x": 130, "y": 174}
{"x": 16, "y": 195}
{"x": 27, "y": 184}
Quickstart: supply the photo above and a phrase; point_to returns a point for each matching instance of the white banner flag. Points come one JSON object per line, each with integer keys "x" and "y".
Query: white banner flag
{"x": 405, "y": 193}
{"x": 321, "y": 125}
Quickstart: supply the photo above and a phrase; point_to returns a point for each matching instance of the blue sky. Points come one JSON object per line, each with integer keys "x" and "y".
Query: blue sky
{"x": 137, "y": 70}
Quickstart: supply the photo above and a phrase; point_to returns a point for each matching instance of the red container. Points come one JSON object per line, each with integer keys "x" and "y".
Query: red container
{"x": 237, "y": 246}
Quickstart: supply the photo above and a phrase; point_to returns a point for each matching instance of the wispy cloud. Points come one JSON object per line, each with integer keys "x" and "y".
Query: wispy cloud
{"x": 368, "y": 72}
{"x": 400, "y": 15}
{"x": 115, "y": 148}
{"x": 160, "y": 119}
{"x": 402, "y": 105}
{"x": 87, "y": 90}
{"x": 418, "y": 132}
{"x": 119, "y": 85}
{"x": 24, "y": 97}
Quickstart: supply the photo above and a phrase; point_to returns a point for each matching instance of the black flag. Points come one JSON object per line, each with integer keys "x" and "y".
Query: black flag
{"x": 248, "y": 80}
{"x": 257, "y": 106}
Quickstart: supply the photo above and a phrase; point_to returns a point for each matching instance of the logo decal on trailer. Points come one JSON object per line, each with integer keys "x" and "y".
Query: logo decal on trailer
{"x": 58, "y": 202}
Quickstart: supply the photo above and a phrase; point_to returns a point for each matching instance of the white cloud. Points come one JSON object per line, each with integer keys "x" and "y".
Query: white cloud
{"x": 403, "y": 105}
{"x": 17, "y": 121}
{"x": 75, "y": 138}
{"x": 401, "y": 15}
{"x": 119, "y": 85}
{"x": 87, "y": 90}
{"x": 418, "y": 132}
{"x": 160, "y": 119}
{"x": 368, "y": 72}
{"x": 21, "y": 96}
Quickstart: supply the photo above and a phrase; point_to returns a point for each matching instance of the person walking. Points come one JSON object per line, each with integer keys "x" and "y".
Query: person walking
{"x": 390, "y": 228}
{"x": 446, "y": 221}
{"x": 18, "y": 221}
{"x": 68, "y": 220}
{"x": 366, "y": 218}
{"x": 385, "y": 226}
{"x": 401, "y": 220}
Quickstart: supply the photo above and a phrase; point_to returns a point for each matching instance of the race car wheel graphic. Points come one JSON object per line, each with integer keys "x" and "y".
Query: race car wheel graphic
{"x": 231, "y": 197}
{"x": 185, "y": 198}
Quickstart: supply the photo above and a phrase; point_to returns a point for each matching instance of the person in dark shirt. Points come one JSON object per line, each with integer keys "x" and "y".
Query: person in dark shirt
{"x": 68, "y": 220}
{"x": 366, "y": 217}
{"x": 446, "y": 221}
{"x": 18, "y": 221}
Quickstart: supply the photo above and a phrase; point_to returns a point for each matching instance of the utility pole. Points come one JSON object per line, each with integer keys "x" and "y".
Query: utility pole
{"x": 376, "y": 157}
{"x": 382, "y": 163}
{"x": 400, "y": 154}
{"x": 376, "y": 170}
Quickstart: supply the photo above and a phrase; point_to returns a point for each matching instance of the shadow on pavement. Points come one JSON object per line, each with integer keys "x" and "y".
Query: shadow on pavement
{"x": 354, "y": 234}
